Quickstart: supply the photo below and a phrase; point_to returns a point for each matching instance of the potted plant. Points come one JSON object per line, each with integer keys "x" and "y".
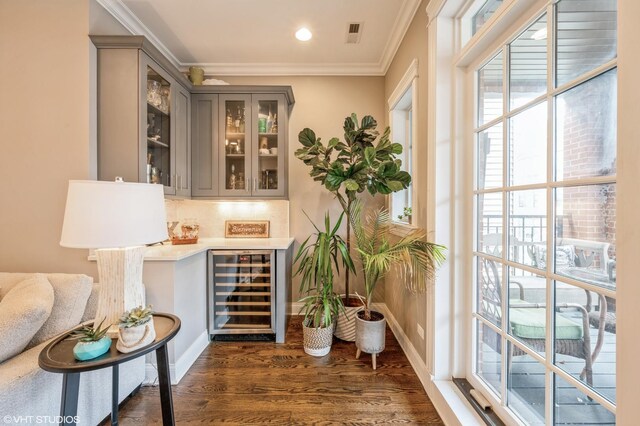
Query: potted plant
{"x": 406, "y": 213}
{"x": 348, "y": 168}
{"x": 417, "y": 258}
{"x": 135, "y": 329}
{"x": 321, "y": 306}
{"x": 92, "y": 342}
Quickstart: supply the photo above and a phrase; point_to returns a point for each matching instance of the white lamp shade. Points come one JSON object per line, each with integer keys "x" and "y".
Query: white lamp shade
{"x": 113, "y": 215}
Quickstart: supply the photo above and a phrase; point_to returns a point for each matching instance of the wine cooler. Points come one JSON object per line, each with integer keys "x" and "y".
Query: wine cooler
{"x": 241, "y": 293}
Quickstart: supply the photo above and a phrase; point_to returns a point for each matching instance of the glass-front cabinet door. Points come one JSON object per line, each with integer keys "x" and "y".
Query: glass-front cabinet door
{"x": 268, "y": 145}
{"x": 159, "y": 152}
{"x": 235, "y": 147}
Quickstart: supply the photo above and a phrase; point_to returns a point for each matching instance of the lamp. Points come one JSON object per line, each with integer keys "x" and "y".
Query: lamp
{"x": 116, "y": 219}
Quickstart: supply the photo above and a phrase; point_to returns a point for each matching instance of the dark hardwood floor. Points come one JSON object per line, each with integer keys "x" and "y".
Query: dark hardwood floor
{"x": 263, "y": 383}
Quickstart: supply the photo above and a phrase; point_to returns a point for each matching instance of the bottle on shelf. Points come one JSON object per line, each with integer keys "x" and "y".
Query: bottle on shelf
{"x": 229, "y": 120}
{"x": 274, "y": 126}
{"x": 269, "y": 120}
{"x": 236, "y": 123}
{"x": 242, "y": 121}
{"x": 232, "y": 177}
{"x": 240, "y": 181}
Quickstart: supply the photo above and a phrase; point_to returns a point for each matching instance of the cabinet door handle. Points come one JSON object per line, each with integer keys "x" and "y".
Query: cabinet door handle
{"x": 255, "y": 184}
{"x": 248, "y": 188}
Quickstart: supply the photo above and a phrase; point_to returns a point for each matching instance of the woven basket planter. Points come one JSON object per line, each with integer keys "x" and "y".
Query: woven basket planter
{"x": 346, "y": 324}
{"x": 317, "y": 341}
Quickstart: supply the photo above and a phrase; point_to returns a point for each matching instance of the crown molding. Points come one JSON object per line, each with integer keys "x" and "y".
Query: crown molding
{"x": 127, "y": 18}
{"x": 400, "y": 27}
{"x": 287, "y": 69}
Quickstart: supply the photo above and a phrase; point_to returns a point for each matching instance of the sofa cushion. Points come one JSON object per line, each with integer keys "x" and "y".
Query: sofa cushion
{"x": 71, "y": 292}
{"x": 23, "y": 310}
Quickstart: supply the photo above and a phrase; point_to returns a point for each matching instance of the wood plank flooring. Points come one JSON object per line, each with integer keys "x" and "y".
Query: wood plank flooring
{"x": 246, "y": 383}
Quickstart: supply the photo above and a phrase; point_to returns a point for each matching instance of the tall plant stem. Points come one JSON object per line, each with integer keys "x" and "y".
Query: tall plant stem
{"x": 346, "y": 275}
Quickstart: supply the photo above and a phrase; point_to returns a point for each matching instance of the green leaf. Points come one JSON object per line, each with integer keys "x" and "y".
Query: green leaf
{"x": 351, "y": 185}
{"x": 307, "y": 137}
{"x": 370, "y": 155}
{"x": 396, "y": 148}
{"x": 395, "y": 186}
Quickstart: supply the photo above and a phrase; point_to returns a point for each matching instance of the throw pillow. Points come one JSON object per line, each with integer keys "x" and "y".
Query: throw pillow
{"x": 565, "y": 256}
{"x": 23, "y": 310}
{"x": 71, "y": 292}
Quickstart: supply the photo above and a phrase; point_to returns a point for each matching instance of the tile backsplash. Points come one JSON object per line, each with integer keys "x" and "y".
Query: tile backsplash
{"x": 211, "y": 215}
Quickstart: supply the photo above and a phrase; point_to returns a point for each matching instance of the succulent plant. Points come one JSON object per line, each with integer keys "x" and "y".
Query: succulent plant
{"x": 136, "y": 316}
{"x": 91, "y": 334}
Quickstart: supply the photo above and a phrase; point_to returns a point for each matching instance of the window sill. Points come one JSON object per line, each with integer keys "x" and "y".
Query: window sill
{"x": 401, "y": 229}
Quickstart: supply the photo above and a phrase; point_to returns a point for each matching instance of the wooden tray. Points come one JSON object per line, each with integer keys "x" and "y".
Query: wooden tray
{"x": 180, "y": 241}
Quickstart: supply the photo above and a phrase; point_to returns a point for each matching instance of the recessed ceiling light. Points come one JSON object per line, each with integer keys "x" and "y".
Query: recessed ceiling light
{"x": 303, "y": 34}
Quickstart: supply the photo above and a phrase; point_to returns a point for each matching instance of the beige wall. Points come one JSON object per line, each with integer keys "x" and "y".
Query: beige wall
{"x": 46, "y": 125}
{"x": 322, "y": 103}
{"x": 44, "y": 129}
{"x": 409, "y": 310}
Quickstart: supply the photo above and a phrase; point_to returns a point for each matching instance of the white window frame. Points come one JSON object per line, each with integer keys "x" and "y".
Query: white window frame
{"x": 408, "y": 84}
{"x": 449, "y": 215}
{"x": 549, "y": 186}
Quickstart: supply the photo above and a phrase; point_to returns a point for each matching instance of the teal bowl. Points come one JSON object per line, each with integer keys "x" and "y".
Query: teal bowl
{"x": 84, "y": 351}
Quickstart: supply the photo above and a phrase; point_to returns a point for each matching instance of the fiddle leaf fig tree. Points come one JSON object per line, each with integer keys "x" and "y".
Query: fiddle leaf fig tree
{"x": 364, "y": 160}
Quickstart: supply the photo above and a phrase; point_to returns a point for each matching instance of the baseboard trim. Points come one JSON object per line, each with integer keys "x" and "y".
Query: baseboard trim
{"x": 295, "y": 308}
{"x": 450, "y": 404}
{"x": 179, "y": 368}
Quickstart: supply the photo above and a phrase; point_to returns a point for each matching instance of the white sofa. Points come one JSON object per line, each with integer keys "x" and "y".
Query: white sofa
{"x": 27, "y": 390}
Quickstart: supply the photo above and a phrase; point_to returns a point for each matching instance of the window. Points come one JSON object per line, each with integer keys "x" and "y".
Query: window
{"x": 402, "y": 105}
{"x": 477, "y": 13}
{"x": 544, "y": 322}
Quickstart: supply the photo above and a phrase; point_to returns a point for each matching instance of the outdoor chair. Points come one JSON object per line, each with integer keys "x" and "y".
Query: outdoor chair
{"x": 527, "y": 322}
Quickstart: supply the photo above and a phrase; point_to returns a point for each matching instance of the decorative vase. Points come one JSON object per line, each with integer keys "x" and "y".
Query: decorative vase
{"x": 84, "y": 351}
{"x": 196, "y": 75}
{"x": 317, "y": 340}
{"x": 133, "y": 338}
{"x": 346, "y": 323}
{"x": 370, "y": 334}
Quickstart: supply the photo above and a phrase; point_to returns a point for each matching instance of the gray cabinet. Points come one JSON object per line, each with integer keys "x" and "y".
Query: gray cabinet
{"x": 144, "y": 116}
{"x": 204, "y": 143}
{"x": 239, "y": 141}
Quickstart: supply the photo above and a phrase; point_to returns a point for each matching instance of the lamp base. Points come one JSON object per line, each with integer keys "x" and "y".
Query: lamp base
{"x": 121, "y": 288}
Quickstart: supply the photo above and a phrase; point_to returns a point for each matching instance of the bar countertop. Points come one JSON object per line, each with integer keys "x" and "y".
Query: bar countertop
{"x": 168, "y": 252}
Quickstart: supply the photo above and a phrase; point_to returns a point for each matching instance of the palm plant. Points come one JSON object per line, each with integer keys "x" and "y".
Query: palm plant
{"x": 316, "y": 263}
{"x": 418, "y": 259}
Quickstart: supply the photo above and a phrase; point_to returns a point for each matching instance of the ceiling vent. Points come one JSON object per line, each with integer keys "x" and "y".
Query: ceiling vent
{"x": 354, "y": 31}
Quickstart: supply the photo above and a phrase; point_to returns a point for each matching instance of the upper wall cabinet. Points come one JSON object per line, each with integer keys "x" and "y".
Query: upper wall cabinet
{"x": 144, "y": 116}
{"x": 240, "y": 141}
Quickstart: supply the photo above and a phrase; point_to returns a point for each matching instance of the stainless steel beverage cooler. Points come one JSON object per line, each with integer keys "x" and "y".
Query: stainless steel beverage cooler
{"x": 241, "y": 293}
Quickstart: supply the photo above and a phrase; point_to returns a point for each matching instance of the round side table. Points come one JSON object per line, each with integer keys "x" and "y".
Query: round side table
{"x": 57, "y": 357}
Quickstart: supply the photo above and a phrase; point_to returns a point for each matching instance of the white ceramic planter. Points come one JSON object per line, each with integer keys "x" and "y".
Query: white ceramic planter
{"x": 317, "y": 341}
{"x": 370, "y": 335}
{"x": 132, "y": 338}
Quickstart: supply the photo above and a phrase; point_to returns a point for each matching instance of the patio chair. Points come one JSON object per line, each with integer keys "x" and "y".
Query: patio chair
{"x": 527, "y": 322}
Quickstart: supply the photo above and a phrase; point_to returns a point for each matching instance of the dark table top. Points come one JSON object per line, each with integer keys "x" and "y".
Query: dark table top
{"x": 57, "y": 356}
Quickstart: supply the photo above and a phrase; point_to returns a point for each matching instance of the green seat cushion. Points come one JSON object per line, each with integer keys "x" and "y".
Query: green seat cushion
{"x": 529, "y": 323}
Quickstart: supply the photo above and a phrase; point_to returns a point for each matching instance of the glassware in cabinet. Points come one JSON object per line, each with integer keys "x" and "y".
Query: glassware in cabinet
{"x": 158, "y": 158}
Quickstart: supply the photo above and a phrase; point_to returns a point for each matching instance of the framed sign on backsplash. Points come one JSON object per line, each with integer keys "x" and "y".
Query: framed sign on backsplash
{"x": 246, "y": 229}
